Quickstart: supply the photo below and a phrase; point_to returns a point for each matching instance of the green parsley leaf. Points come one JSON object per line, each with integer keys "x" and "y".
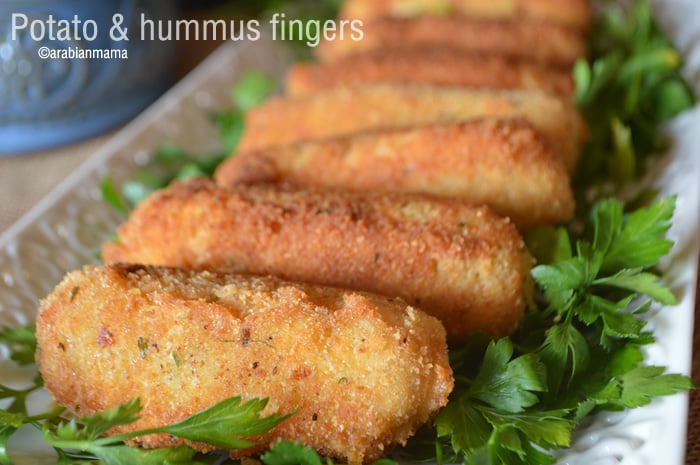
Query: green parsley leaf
{"x": 565, "y": 350}
{"x": 549, "y": 245}
{"x": 9, "y": 424}
{"x": 559, "y": 280}
{"x": 466, "y": 427}
{"x": 21, "y": 341}
{"x": 231, "y": 125}
{"x": 638, "y": 386}
{"x": 290, "y": 453}
{"x": 640, "y": 282}
{"x": 547, "y": 429}
{"x": 630, "y": 85}
{"x": 607, "y": 221}
{"x": 295, "y": 453}
{"x": 223, "y": 424}
{"x": 619, "y": 325}
{"x": 640, "y": 242}
{"x": 508, "y": 384}
{"x": 493, "y": 419}
{"x": 110, "y": 194}
{"x": 123, "y": 455}
{"x": 96, "y": 425}
{"x": 19, "y": 396}
{"x": 620, "y": 381}
{"x": 672, "y": 97}
{"x": 252, "y": 88}
{"x": 135, "y": 191}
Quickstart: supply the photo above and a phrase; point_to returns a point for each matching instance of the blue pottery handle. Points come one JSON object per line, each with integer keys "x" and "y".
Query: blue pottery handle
{"x": 84, "y": 87}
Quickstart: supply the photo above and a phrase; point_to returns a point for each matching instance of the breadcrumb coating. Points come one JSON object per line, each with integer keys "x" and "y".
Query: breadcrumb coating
{"x": 436, "y": 66}
{"x": 364, "y": 371}
{"x": 539, "y": 42}
{"x": 348, "y": 110}
{"x": 463, "y": 264}
{"x": 505, "y": 164}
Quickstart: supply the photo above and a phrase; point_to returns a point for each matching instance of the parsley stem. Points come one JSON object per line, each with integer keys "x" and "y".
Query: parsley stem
{"x": 51, "y": 414}
{"x": 463, "y": 379}
{"x": 117, "y": 438}
{"x": 438, "y": 452}
{"x": 665, "y": 59}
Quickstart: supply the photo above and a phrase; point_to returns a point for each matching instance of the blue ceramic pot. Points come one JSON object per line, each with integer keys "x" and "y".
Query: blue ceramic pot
{"x": 66, "y": 73}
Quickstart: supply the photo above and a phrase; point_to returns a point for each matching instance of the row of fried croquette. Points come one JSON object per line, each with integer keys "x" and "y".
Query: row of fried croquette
{"x": 511, "y": 44}
{"x": 508, "y": 150}
{"x": 350, "y": 190}
{"x": 347, "y": 112}
{"x": 414, "y": 93}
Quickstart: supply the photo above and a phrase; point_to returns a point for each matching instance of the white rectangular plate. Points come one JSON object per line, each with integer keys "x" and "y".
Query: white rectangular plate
{"x": 65, "y": 230}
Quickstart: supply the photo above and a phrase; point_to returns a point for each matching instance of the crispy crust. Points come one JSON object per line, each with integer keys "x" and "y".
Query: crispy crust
{"x": 344, "y": 111}
{"x": 462, "y": 264}
{"x": 363, "y": 370}
{"x": 575, "y": 14}
{"x": 505, "y": 164}
{"x": 544, "y": 43}
{"x": 430, "y": 66}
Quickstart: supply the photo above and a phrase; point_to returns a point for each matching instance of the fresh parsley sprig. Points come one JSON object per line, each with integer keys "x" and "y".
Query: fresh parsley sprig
{"x": 21, "y": 342}
{"x": 295, "y": 453}
{"x": 515, "y": 399}
{"x": 490, "y": 416}
{"x": 595, "y": 293}
{"x": 630, "y": 84}
{"x": 225, "y": 425}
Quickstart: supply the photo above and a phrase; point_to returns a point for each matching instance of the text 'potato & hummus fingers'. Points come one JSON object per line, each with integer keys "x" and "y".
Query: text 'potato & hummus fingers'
{"x": 460, "y": 263}
{"x": 430, "y": 66}
{"x": 364, "y": 371}
{"x": 544, "y": 43}
{"x": 344, "y": 111}
{"x": 504, "y": 164}
{"x": 575, "y": 14}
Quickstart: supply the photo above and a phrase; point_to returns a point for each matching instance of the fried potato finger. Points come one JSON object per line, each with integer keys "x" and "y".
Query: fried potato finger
{"x": 364, "y": 371}
{"x": 505, "y": 164}
{"x": 544, "y": 43}
{"x": 344, "y": 111}
{"x": 429, "y": 66}
{"x": 460, "y": 263}
{"x": 575, "y": 14}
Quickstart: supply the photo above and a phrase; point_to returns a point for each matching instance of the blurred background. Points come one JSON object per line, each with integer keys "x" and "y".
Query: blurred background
{"x": 55, "y": 113}
{"x": 48, "y": 102}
